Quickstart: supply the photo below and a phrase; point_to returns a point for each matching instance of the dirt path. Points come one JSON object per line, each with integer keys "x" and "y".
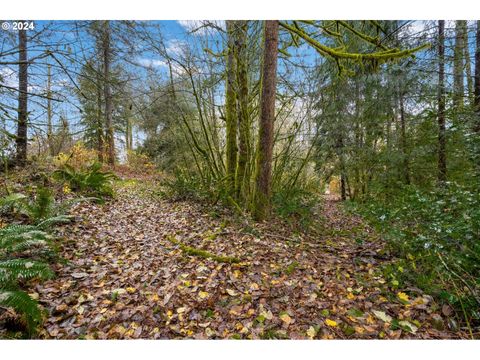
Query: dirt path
{"x": 124, "y": 279}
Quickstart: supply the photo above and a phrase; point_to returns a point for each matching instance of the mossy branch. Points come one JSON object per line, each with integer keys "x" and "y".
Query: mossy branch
{"x": 371, "y": 40}
{"x": 376, "y": 57}
{"x": 202, "y": 253}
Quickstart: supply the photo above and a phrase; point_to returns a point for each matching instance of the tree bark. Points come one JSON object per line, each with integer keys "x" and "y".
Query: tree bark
{"x": 100, "y": 126}
{"x": 458, "y": 58}
{"x": 468, "y": 67}
{"x": 442, "y": 161}
{"x": 476, "y": 102}
{"x": 243, "y": 172}
{"x": 108, "y": 94}
{"x": 51, "y": 150}
{"x": 403, "y": 134}
{"x": 22, "y": 129}
{"x": 230, "y": 113}
{"x": 267, "y": 116}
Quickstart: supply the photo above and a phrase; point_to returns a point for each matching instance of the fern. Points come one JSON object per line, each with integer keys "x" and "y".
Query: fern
{"x": 22, "y": 303}
{"x": 13, "y": 270}
{"x": 23, "y": 240}
{"x": 91, "y": 181}
{"x": 9, "y": 203}
{"x": 16, "y": 239}
{"x": 61, "y": 219}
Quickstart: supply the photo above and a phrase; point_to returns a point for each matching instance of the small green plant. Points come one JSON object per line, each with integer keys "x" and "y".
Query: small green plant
{"x": 434, "y": 235}
{"x": 20, "y": 246}
{"x": 91, "y": 181}
{"x": 296, "y": 206}
{"x": 41, "y": 207}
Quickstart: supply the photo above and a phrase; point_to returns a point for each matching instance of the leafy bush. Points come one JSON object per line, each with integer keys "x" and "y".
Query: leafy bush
{"x": 436, "y": 236}
{"x": 139, "y": 162}
{"x": 16, "y": 242}
{"x": 183, "y": 186}
{"x": 91, "y": 181}
{"x": 79, "y": 157}
{"x": 295, "y": 205}
{"x": 43, "y": 206}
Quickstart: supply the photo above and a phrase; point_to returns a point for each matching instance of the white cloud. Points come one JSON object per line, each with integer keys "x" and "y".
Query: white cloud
{"x": 200, "y": 27}
{"x": 176, "y": 47}
{"x": 151, "y": 63}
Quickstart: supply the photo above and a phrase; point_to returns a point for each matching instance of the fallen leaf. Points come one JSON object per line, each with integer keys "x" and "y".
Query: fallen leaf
{"x": 311, "y": 332}
{"x": 203, "y": 294}
{"x": 331, "y": 323}
{"x": 231, "y": 292}
{"x": 382, "y": 316}
{"x": 286, "y": 318}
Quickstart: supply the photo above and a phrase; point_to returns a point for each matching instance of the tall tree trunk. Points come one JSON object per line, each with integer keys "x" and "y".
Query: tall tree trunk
{"x": 108, "y": 94}
{"x": 442, "y": 161}
{"x": 21, "y": 140}
{"x": 468, "y": 66}
{"x": 477, "y": 79}
{"x": 100, "y": 125}
{"x": 49, "y": 112}
{"x": 267, "y": 117}
{"x": 243, "y": 173}
{"x": 403, "y": 140}
{"x": 458, "y": 57}
{"x": 476, "y": 94}
{"x": 230, "y": 110}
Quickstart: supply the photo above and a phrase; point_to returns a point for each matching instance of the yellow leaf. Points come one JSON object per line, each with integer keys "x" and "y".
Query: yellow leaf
{"x": 181, "y": 310}
{"x": 120, "y": 329}
{"x": 359, "y": 330}
{"x": 350, "y": 296}
{"x": 237, "y": 273}
{"x": 286, "y": 318}
{"x": 131, "y": 290}
{"x": 403, "y": 296}
{"x": 203, "y": 294}
{"x": 254, "y": 286}
{"x": 311, "y": 332}
{"x": 330, "y": 323}
{"x": 267, "y": 314}
{"x": 231, "y": 292}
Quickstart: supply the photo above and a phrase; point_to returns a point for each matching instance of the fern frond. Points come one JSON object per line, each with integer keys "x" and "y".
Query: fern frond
{"x": 13, "y": 270}
{"x": 61, "y": 219}
{"x": 22, "y": 303}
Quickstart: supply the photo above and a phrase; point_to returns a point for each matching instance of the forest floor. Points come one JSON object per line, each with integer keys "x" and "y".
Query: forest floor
{"x": 124, "y": 277}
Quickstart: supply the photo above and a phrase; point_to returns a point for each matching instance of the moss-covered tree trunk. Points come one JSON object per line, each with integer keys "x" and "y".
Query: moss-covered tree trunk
{"x": 22, "y": 129}
{"x": 108, "y": 93}
{"x": 243, "y": 173}
{"x": 442, "y": 158}
{"x": 230, "y": 111}
{"x": 403, "y": 139}
{"x": 261, "y": 206}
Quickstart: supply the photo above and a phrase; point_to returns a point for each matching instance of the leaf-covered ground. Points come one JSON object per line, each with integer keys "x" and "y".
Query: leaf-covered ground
{"x": 124, "y": 278}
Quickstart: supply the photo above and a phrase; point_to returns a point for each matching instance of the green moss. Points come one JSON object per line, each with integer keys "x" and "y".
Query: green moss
{"x": 291, "y": 268}
{"x": 202, "y": 253}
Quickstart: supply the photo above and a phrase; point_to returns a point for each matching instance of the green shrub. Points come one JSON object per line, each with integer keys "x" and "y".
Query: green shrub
{"x": 436, "y": 237}
{"x": 296, "y": 206}
{"x": 92, "y": 181}
{"x": 43, "y": 206}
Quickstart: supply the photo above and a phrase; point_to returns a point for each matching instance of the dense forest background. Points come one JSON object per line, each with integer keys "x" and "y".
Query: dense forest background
{"x": 268, "y": 119}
